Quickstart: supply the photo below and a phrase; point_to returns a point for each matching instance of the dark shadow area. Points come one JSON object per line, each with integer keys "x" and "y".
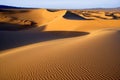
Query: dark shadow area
{"x": 41, "y": 28}
{"x": 14, "y": 7}
{"x": 9, "y": 7}
{"x": 12, "y": 39}
{"x": 73, "y": 16}
{"x": 10, "y": 11}
{"x": 52, "y": 10}
{"x": 3, "y": 10}
{"x": 114, "y": 16}
{"x": 15, "y": 27}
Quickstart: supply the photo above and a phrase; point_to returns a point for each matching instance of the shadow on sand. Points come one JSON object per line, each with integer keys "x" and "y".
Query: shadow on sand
{"x": 12, "y": 39}
{"x": 10, "y": 11}
{"x": 73, "y": 16}
{"x": 16, "y": 27}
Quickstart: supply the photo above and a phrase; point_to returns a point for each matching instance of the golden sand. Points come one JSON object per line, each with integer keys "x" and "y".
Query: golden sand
{"x": 58, "y": 48}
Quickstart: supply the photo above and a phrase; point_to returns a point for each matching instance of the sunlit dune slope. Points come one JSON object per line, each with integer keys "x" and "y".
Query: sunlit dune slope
{"x": 92, "y": 57}
{"x": 62, "y": 24}
{"x": 59, "y": 45}
{"x": 60, "y": 20}
{"x": 98, "y": 14}
{"x": 39, "y": 16}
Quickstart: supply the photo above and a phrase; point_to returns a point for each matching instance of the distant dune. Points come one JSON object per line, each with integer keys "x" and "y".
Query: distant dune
{"x": 13, "y": 7}
{"x": 72, "y": 16}
{"x": 41, "y": 44}
{"x": 105, "y": 9}
{"x": 9, "y": 7}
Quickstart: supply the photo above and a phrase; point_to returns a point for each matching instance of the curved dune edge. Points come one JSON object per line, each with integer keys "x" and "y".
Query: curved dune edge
{"x": 91, "y": 57}
{"x": 43, "y": 17}
{"x": 62, "y": 24}
{"x": 98, "y": 14}
{"x": 39, "y": 16}
{"x": 94, "y": 56}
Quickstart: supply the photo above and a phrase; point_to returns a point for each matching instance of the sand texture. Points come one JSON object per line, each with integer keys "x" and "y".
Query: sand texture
{"x": 41, "y": 44}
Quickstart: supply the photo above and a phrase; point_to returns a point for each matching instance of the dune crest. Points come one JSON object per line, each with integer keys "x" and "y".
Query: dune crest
{"x": 40, "y": 16}
{"x": 80, "y": 58}
{"x": 60, "y": 45}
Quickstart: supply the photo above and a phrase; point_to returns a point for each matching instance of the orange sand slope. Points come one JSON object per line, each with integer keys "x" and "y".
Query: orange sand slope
{"x": 59, "y": 45}
{"x": 39, "y": 16}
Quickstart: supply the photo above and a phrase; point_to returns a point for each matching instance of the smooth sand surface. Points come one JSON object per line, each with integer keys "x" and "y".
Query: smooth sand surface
{"x": 55, "y": 46}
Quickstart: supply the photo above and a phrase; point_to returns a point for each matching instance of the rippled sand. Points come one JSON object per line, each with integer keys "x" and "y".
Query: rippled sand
{"x": 38, "y": 44}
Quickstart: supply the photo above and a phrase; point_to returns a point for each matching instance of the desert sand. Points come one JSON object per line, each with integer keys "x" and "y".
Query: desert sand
{"x": 39, "y": 44}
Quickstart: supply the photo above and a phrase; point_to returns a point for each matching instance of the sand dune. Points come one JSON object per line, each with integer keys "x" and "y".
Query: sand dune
{"x": 81, "y": 25}
{"x": 97, "y": 14}
{"x": 72, "y": 16}
{"x": 74, "y": 58}
{"x": 39, "y": 44}
{"x": 40, "y": 16}
{"x": 43, "y": 17}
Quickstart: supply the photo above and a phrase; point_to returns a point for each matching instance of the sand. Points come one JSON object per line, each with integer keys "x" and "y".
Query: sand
{"x": 60, "y": 45}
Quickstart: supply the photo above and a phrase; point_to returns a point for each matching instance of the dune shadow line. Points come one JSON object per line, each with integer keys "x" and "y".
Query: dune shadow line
{"x": 4, "y": 26}
{"x": 13, "y": 39}
{"x": 72, "y": 16}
